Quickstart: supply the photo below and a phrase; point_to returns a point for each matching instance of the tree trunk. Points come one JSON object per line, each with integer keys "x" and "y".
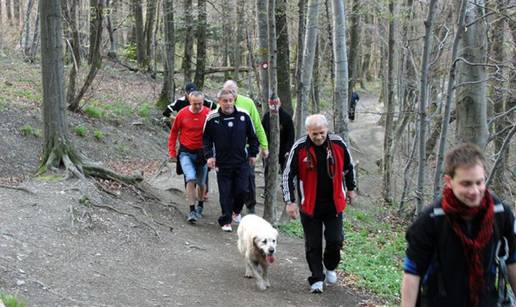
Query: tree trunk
{"x": 149, "y": 27}
{"x": 96, "y": 58}
{"x": 263, "y": 51}
{"x": 354, "y": 45}
{"x": 188, "y": 52}
{"x": 93, "y": 34}
{"x": 201, "y": 44}
{"x": 299, "y": 125}
{"x": 471, "y": 88}
{"x": 331, "y": 65}
{"x": 422, "y": 105}
{"x": 340, "y": 91}
{"x": 16, "y": 11}
{"x": 70, "y": 16}
{"x": 35, "y": 41}
{"x": 271, "y": 180}
{"x": 140, "y": 38}
{"x": 238, "y": 38}
{"x": 170, "y": 46}
{"x": 389, "y": 114}
{"x": 110, "y": 19}
{"x": 8, "y": 11}
{"x": 449, "y": 94}
{"x": 312, "y": 28}
{"x": 284, "y": 91}
{"x": 26, "y": 30}
{"x": 57, "y": 149}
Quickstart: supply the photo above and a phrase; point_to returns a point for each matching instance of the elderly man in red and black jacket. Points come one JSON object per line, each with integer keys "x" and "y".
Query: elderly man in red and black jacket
{"x": 322, "y": 165}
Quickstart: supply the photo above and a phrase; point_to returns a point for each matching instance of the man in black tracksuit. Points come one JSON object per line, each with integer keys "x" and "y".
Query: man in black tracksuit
{"x": 227, "y": 132}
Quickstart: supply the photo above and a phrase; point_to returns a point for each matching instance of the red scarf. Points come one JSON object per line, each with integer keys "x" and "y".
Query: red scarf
{"x": 455, "y": 210}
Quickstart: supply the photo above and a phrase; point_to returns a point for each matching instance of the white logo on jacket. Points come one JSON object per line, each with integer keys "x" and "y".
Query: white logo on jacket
{"x": 242, "y": 118}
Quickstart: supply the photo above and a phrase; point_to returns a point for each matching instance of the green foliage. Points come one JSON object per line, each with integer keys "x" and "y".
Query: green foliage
{"x": 3, "y": 104}
{"x": 93, "y": 112}
{"x": 144, "y": 110}
{"x": 373, "y": 252}
{"x": 129, "y": 52}
{"x": 99, "y": 135}
{"x": 28, "y": 130}
{"x": 10, "y": 300}
{"x": 50, "y": 178}
{"x": 80, "y": 130}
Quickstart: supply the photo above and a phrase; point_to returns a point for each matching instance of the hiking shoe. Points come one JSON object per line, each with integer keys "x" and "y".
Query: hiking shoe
{"x": 198, "y": 211}
{"x": 227, "y": 228}
{"x": 192, "y": 217}
{"x": 331, "y": 277}
{"x": 316, "y": 287}
{"x": 237, "y": 218}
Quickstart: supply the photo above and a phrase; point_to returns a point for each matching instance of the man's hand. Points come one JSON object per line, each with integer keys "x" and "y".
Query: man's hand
{"x": 265, "y": 153}
{"x": 351, "y": 196}
{"x": 252, "y": 161}
{"x": 292, "y": 210}
{"x": 211, "y": 163}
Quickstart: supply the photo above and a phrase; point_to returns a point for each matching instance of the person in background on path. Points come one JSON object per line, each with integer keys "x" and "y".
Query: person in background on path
{"x": 287, "y": 134}
{"x": 189, "y": 124}
{"x": 180, "y": 103}
{"x": 451, "y": 252}
{"x": 322, "y": 164}
{"x": 353, "y": 105}
{"x": 247, "y": 104}
{"x": 230, "y": 147}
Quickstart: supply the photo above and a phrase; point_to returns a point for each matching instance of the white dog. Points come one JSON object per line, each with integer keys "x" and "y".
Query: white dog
{"x": 257, "y": 241}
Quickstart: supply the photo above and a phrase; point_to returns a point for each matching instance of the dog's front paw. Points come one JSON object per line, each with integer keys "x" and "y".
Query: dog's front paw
{"x": 248, "y": 275}
{"x": 267, "y": 284}
{"x": 261, "y": 285}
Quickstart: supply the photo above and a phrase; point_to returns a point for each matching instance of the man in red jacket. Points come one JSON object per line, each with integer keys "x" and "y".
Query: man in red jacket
{"x": 189, "y": 124}
{"x": 322, "y": 165}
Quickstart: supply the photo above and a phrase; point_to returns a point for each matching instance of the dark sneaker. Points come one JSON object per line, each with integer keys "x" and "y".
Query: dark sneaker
{"x": 192, "y": 217}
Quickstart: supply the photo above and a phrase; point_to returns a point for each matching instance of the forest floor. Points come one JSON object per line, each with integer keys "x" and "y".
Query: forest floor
{"x": 97, "y": 243}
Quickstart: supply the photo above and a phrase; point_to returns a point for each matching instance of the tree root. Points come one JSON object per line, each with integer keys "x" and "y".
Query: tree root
{"x": 24, "y": 189}
{"x": 105, "y": 173}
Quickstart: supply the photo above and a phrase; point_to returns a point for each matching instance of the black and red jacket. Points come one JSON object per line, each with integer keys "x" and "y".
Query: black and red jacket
{"x": 299, "y": 166}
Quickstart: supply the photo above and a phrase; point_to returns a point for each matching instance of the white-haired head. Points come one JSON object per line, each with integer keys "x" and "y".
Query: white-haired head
{"x": 231, "y": 85}
{"x": 316, "y": 120}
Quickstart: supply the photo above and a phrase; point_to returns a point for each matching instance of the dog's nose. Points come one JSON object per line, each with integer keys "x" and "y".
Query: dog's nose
{"x": 271, "y": 250}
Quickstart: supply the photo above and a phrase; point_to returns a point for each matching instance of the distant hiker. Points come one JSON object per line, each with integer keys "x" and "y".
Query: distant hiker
{"x": 455, "y": 244}
{"x": 287, "y": 134}
{"x": 189, "y": 125}
{"x": 183, "y": 102}
{"x": 230, "y": 146}
{"x": 353, "y": 105}
{"x": 247, "y": 104}
{"x": 322, "y": 164}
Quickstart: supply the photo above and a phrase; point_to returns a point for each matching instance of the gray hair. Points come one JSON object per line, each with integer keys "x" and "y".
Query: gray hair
{"x": 225, "y": 92}
{"x": 196, "y": 94}
{"x": 231, "y": 85}
{"x": 316, "y": 120}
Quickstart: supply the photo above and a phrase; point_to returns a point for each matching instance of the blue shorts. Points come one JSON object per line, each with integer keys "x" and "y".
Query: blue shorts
{"x": 191, "y": 171}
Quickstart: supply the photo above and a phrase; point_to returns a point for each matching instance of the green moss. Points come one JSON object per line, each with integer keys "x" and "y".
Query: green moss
{"x": 80, "y": 131}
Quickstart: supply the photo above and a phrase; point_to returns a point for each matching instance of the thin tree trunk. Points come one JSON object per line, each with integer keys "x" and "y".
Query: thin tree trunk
{"x": 93, "y": 34}
{"x": 110, "y": 5}
{"x": 449, "y": 95}
{"x": 201, "y": 44}
{"x": 354, "y": 45}
{"x": 140, "y": 38}
{"x": 263, "y": 51}
{"x": 284, "y": 90}
{"x": 314, "y": 90}
{"x": 312, "y": 28}
{"x": 422, "y": 106}
{"x": 340, "y": 91}
{"x": 298, "y": 122}
{"x": 389, "y": 114}
{"x": 148, "y": 30}
{"x": 271, "y": 180}
{"x": 188, "y": 51}
{"x": 16, "y": 11}
{"x": 239, "y": 38}
{"x": 35, "y": 41}
{"x": 26, "y": 31}
{"x": 170, "y": 45}
{"x": 8, "y": 11}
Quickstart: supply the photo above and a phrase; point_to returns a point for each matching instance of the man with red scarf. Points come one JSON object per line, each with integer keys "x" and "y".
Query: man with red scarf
{"x": 450, "y": 257}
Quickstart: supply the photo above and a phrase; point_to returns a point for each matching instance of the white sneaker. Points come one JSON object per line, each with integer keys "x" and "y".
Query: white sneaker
{"x": 331, "y": 277}
{"x": 227, "y": 228}
{"x": 237, "y": 218}
{"x": 317, "y": 287}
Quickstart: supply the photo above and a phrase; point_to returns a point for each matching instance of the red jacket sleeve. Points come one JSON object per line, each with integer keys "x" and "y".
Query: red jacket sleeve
{"x": 172, "y": 138}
